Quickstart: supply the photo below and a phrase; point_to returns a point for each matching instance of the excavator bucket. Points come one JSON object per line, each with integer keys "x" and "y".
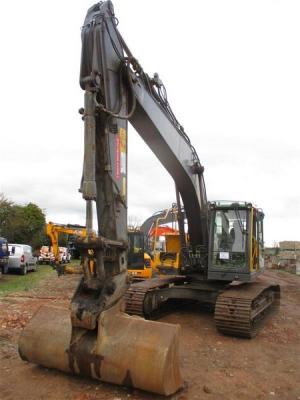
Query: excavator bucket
{"x": 124, "y": 350}
{"x": 73, "y": 269}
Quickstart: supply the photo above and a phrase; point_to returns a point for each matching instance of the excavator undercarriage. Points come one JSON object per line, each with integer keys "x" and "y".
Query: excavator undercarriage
{"x": 239, "y": 309}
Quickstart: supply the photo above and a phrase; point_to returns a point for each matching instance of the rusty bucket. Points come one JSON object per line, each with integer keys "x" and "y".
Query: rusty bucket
{"x": 125, "y": 350}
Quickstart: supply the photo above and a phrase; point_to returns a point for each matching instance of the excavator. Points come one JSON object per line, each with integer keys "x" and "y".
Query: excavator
{"x": 139, "y": 263}
{"x": 95, "y": 337}
{"x": 165, "y": 261}
{"x": 143, "y": 260}
{"x": 53, "y": 230}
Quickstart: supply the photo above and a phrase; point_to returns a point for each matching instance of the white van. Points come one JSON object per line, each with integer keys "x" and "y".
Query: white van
{"x": 21, "y": 258}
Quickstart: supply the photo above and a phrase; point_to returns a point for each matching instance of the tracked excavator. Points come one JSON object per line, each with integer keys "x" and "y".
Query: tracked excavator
{"x": 95, "y": 337}
{"x": 139, "y": 263}
{"x": 166, "y": 260}
{"x": 53, "y": 230}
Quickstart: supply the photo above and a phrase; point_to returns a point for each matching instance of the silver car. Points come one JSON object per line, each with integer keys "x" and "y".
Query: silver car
{"x": 21, "y": 258}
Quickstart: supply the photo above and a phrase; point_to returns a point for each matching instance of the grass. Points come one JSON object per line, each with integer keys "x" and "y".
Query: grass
{"x": 16, "y": 283}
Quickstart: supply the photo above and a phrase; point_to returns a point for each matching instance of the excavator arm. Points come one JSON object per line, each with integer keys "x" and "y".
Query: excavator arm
{"x": 122, "y": 92}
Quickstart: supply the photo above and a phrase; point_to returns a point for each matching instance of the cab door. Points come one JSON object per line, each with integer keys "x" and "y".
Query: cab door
{"x": 260, "y": 239}
{"x": 257, "y": 241}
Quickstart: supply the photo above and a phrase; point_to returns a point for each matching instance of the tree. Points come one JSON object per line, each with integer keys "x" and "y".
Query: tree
{"x": 22, "y": 224}
{"x": 133, "y": 221}
{"x": 276, "y": 247}
{"x": 6, "y": 215}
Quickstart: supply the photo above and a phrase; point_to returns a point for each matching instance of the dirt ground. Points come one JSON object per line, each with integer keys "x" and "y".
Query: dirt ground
{"x": 214, "y": 366}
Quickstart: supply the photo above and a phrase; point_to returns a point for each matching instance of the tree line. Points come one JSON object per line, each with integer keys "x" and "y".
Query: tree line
{"x": 22, "y": 223}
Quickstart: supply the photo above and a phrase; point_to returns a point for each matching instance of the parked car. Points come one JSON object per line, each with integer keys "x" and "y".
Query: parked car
{"x": 3, "y": 256}
{"x": 21, "y": 258}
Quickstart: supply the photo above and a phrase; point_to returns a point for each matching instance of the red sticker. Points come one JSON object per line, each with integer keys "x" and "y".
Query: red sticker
{"x": 117, "y": 157}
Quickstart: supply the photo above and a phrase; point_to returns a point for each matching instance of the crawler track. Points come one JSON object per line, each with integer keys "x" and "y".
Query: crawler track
{"x": 137, "y": 292}
{"x": 240, "y": 311}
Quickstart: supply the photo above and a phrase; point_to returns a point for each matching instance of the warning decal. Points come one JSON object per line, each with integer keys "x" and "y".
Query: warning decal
{"x": 117, "y": 157}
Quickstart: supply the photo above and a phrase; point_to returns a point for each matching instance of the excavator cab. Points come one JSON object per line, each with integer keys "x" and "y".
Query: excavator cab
{"x": 167, "y": 262}
{"x": 236, "y": 241}
{"x": 136, "y": 249}
{"x": 139, "y": 262}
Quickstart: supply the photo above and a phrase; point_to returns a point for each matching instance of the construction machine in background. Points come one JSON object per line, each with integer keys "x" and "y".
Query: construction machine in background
{"x": 166, "y": 260}
{"x": 165, "y": 254}
{"x": 95, "y": 337}
{"x": 60, "y": 256}
{"x": 139, "y": 261}
{"x": 145, "y": 258}
{"x": 139, "y": 264}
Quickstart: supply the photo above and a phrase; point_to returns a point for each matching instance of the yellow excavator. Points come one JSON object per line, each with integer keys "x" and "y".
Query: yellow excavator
{"x": 221, "y": 255}
{"x": 53, "y": 230}
{"x": 145, "y": 258}
{"x": 139, "y": 261}
{"x": 166, "y": 260}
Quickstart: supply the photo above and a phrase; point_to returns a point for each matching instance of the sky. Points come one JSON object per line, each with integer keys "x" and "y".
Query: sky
{"x": 231, "y": 69}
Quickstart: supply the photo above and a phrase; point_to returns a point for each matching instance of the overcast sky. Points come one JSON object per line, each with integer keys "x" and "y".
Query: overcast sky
{"x": 231, "y": 69}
